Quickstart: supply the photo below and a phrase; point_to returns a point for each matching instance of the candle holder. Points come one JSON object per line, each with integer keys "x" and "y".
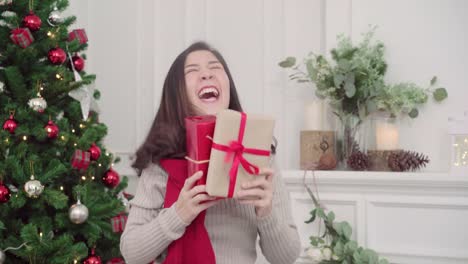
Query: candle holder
{"x": 314, "y": 144}
{"x": 383, "y": 140}
{"x": 458, "y": 131}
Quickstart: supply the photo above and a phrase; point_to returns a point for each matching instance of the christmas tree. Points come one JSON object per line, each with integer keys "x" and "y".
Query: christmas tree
{"x": 60, "y": 199}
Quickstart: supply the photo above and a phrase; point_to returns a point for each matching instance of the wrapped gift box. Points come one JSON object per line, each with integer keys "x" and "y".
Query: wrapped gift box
{"x": 22, "y": 37}
{"x": 199, "y": 132}
{"x": 241, "y": 145}
{"x": 79, "y": 34}
{"x": 81, "y": 159}
{"x": 118, "y": 223}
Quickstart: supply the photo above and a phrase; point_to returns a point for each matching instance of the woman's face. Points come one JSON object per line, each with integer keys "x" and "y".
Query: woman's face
{"x": 207, "y": 83}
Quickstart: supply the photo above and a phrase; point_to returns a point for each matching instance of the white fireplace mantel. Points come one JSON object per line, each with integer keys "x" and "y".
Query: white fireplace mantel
{"x": 406, "y": 217}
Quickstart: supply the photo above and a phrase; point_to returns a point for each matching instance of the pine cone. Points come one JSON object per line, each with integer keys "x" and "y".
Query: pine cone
{"x": 358, "y": 161}
{"x": 407, "y": 160}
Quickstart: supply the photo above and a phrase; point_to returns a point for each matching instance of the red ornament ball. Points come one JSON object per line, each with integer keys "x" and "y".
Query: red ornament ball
{"x": 5, "y": 193}
{"x": 111, "y": 179}
{"x": 57, "y": 56}
{"x": 92, "y": 259}
{"x": 51, "y": 129}
{"x": 95, "y": 152}
{"x": 10, "y": 125}
{"x": 32, "y": 21}
{"x": 78, "y": 63}
{"x": 115, "y": 261}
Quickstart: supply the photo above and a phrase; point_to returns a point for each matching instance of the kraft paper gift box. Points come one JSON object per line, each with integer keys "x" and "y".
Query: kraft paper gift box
{"x": 241, "y": 146}
{"x": 199, "y": 132}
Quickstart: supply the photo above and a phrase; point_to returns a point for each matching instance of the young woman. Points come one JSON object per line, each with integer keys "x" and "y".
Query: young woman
{"x": 173, "y": 221}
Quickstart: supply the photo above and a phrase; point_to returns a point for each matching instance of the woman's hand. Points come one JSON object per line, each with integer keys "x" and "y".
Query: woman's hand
{"x": 259, "y": 193}
{"x": 193, "y": 199}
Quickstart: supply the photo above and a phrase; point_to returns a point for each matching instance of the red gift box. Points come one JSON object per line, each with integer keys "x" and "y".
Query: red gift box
{"x": 22, "y": 37}
{"x": 81, "y": 159}
{"x": 79, "y": 34}
{"x": 199, "y": 134}
{"x": 118, "y": 223}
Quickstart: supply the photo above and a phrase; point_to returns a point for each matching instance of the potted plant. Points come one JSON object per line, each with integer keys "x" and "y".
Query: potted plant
{"x": 352, "y": 82}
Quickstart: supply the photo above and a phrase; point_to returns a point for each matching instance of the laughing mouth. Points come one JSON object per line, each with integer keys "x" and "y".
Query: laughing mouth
{"x": 208, "y": 93}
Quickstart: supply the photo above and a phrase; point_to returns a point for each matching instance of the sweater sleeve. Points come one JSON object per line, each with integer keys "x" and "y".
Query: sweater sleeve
{"x": 279, "y": 239}
{"x": 150, "y": 229}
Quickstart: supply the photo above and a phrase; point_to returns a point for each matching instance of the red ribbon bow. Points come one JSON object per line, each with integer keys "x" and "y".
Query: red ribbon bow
{"x": 236, "y": 149}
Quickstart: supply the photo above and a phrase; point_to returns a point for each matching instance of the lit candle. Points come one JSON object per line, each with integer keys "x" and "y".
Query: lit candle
{"x": 313, "y": 115}
{"x": 386, "y": 136}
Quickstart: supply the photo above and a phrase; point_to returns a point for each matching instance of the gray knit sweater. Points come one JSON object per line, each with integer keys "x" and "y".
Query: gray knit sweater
{"x": 233, "y": 228}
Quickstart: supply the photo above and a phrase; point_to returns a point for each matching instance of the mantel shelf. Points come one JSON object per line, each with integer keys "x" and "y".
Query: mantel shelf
{"x": 397, "y": 181}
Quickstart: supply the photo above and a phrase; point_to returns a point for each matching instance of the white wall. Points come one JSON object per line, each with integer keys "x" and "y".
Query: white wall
{"x": 133, "y": 43}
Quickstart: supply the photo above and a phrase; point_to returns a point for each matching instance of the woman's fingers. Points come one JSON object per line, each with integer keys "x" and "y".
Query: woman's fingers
{"x": 196, "y": 190}
{"x": 190, "y": 181}
{"x": 266, "y": 171}
{"x": 202, "y": 197}
{"x": 261, "y": 183}
{"x": 258, "y": 192}
{"x": 251, "y": 194}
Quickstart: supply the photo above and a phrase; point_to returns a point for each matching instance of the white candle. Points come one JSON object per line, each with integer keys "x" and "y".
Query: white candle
{"x": 386, "y": 136}
{"x": 313, "y": 115}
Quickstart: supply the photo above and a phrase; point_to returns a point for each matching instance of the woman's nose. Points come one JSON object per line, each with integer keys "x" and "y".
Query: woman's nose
{"x": 206, "y": 74}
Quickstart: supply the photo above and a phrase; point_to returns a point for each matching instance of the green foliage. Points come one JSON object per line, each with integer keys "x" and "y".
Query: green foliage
{"x": 353, "y": 81}
{"x": 337, "y": 236}
{"x": 42, "y": 224}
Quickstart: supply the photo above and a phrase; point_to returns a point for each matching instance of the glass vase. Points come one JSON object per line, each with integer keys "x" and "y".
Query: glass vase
{"x": 351, "y": 137}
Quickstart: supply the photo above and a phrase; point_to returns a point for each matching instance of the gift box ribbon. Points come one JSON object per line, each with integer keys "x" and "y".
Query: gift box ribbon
{"x": 236, "y": 150}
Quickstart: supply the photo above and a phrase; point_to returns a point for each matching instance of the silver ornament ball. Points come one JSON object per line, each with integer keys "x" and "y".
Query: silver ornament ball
{"x": 33, "y": 188}
{"x": 38, "y": 104}
{"x": 78, "y": 213}
{"x": 55, "y": 18}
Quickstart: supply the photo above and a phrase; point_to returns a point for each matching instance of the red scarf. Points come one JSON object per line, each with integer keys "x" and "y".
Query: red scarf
{"x": 194, "y": 246}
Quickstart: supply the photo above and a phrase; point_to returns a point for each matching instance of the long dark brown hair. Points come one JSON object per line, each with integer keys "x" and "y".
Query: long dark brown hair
{"x": 166, "y": 138}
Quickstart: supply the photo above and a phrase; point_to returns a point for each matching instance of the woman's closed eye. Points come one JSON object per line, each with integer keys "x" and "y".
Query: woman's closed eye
{"x": 191, "y": 70}
{"x": 217, "y": 67}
